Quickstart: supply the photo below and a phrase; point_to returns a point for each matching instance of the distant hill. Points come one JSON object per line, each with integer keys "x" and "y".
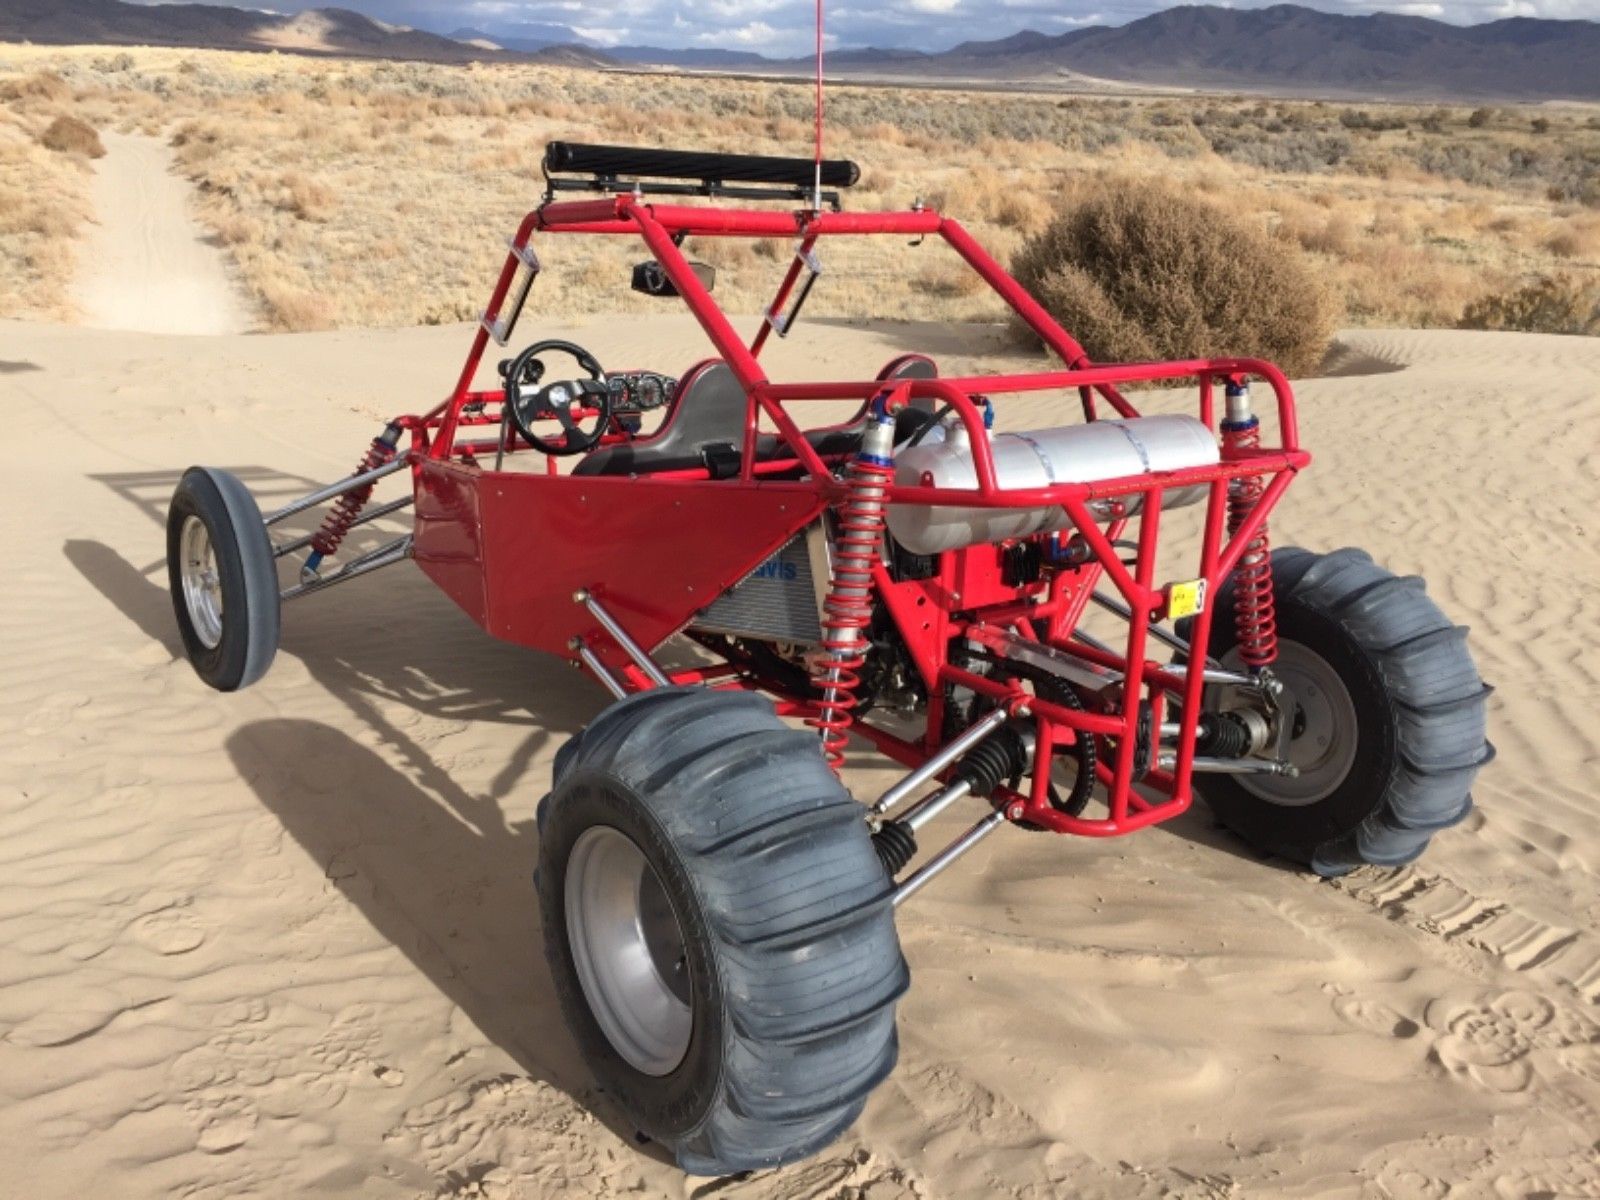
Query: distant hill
{"x": 1285, "y": 48}
{"x": 317, "y": 31}
{"x": 525, "y": 37}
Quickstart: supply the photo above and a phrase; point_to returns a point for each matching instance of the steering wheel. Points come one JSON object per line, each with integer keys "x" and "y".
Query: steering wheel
{"x": 527, "y": 402}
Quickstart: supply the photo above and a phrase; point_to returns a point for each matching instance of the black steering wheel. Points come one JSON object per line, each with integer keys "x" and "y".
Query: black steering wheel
{"x": 563, "y": 402}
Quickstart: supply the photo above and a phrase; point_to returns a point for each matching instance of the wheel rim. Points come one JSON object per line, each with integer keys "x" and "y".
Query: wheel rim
{"x": 628, "y": 948}
{"x": 202, "y": 585}
{"x": 1323, "y": 730}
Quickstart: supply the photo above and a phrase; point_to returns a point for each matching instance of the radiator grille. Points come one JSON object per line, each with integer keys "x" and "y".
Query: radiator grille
{"x": 776, "y": 602}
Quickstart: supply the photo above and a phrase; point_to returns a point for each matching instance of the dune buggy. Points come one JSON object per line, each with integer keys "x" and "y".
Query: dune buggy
{"x": 718, "y": 909}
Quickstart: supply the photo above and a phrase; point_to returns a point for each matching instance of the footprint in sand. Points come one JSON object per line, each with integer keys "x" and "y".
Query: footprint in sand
{"x": 1369, "y": 1016}
{"x": 224, "y": 1122}
{"x": 169, "y": 931}
{"x": 1489, "y": 1043}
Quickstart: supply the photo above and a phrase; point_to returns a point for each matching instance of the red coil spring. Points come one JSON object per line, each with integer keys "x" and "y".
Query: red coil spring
{"x": 1253, "y": 606}
{"x": 348, "y": 507}
{"x": 847, "y": 610}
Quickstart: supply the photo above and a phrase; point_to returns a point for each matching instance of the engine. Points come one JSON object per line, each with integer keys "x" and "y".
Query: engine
{"x": 774, "y": 615}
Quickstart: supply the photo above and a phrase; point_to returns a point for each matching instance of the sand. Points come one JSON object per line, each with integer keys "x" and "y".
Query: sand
{"x": 285, "y": 943}
{"x": 147, "y": 266}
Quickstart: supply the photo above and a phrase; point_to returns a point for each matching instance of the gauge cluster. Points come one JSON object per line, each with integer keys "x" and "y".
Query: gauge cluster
{"x": 640, "y": 391}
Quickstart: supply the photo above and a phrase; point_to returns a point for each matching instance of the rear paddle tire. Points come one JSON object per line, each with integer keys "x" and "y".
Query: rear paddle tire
{"x": 1387, "y": 713}
{"x": 718, "y": 927}
{"x": 224, "y": 579}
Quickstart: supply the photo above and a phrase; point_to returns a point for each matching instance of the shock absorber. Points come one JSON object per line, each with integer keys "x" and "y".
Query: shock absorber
{"x": 348, "y": 507}
{"x": 847, "y": 609}
{"x": 1253, "y": 612}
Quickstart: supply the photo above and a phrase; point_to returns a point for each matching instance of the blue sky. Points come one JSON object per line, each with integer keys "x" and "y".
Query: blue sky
{"x": 784, "y": 27}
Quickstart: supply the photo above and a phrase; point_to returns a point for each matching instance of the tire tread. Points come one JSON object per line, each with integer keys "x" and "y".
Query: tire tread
{"x": 1437, "y": 698}
{"x": 795, "y": 898}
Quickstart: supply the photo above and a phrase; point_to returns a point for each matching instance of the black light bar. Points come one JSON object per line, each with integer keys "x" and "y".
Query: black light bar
{"x": 615, "y": 162}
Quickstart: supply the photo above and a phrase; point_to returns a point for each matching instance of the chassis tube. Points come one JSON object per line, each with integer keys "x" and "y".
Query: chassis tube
{"x": 372, "y": 514}
{"x": 384, "y": 556}
{"x": 623, "y": 638}
{"x": 336, "y": 489}
{"x": 598, "y": 669}
{"x": 926, "y": 810}
{"x": 954, "y": 750}
{"x": 926, "y": 874}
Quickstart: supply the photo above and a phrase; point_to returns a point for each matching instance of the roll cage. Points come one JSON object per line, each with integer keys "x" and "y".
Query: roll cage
{"x": 465, "y": 537}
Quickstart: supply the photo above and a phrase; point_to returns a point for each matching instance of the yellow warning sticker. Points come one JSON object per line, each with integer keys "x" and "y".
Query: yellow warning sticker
{"x": 1186, "y": 598}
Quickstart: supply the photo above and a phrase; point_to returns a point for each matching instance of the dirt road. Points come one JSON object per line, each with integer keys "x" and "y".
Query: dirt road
{"x": 148, "y": 267}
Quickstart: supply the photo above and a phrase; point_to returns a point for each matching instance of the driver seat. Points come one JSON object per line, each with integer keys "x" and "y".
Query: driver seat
{"x": 704, "y": 429}
{"x": 705, "y": 426}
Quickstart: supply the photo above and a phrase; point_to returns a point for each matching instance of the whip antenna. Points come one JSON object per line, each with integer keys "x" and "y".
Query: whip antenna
{"x": 816, "y": 198}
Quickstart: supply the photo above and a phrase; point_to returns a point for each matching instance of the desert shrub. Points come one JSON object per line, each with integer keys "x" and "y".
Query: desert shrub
{"x": 1480, "y": 117}
{"x": 1139, "y": 271}
{"x": 68, "y": 135}
{"x": 1540, "y": 125}
{"x": 1360, "y": 118}
{"x": 1553, "y": 304}
{"x": 1575, "y": 238}
{"x": 304, "y": 197}
{"x": 293, "y": 310}
{"x": 46, "y": 85}
{"x": 1296, "y": 152}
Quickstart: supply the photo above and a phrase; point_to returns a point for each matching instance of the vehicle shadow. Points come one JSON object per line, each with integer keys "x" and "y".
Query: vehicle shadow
{"x": 439, "y": 874}
{"x": 150, "y": 491}
{"x": 143, "y": 601}
{"x": 436, "y": 869}
{"x": 1199, "y": 826}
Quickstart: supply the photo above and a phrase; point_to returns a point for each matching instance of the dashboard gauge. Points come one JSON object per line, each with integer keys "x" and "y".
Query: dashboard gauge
{"x": 648, "y": 391}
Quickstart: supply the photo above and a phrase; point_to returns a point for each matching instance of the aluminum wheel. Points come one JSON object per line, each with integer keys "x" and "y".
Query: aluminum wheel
{"x": 202, "y": 585}
{"x": 627, "y": 946}
{"x": 1323, "y": 731}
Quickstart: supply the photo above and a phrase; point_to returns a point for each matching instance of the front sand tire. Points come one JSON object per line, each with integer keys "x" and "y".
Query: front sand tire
{"x": 718, "y": 927}
{"x": 1389, "y": 718}
{"x": 224, "y": 579}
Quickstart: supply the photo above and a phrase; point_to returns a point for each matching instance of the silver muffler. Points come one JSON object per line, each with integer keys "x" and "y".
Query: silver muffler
{"x": 1086, "y": 453}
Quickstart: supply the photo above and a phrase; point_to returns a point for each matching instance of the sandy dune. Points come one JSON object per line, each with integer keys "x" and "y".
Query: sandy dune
{"x": 147, "y": 266}
{"x": 284, "y": 943}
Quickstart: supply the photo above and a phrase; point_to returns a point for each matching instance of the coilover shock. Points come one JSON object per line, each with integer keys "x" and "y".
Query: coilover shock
{"x": 348, "y": 507}
{"x": 847, "y": 609}
{"x": 1253, "y": 606}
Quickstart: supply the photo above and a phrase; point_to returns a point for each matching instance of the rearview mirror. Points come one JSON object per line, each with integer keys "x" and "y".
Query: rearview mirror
{"x": 651, "y": 280}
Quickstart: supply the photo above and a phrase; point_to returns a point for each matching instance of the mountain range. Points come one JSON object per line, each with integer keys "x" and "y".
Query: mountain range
{"x": 331, "y": 31}
{"x": 1283, "y": 48}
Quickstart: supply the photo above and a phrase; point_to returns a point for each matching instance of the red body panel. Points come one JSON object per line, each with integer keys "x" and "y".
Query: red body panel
{"x": 512, "y": 549}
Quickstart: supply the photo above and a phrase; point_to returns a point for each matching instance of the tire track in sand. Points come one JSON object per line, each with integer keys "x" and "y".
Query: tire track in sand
{"x": 148, "y": 267}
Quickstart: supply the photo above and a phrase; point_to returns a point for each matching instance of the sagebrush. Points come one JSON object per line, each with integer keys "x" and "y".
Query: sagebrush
{"x": 1141, "y": 271}
{"x": 1554, "y": 304}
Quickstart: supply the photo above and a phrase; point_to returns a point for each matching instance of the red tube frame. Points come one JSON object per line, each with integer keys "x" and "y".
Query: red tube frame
{"x": 1161, "y": 795}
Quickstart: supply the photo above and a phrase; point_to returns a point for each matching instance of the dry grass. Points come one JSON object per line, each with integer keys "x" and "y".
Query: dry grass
{"x": 378, "y": 194}
{"x": 1556, "y": 304}
{"x": 43, "y": 199}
